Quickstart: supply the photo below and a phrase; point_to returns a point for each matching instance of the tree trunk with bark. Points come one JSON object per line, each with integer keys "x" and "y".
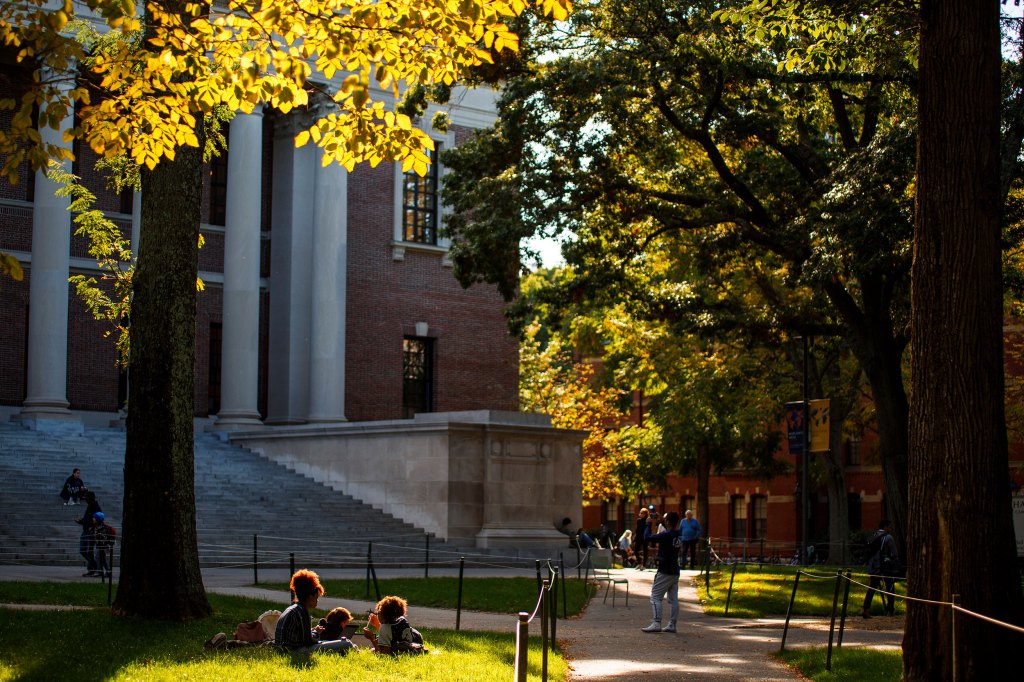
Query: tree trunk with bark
{"x": 960, "y": 537}
{"x": 160, "y": 576}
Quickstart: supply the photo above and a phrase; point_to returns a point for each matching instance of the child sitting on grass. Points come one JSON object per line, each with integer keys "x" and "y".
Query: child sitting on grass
{"x": 394, "y": 633}
{"x": 334, "y": 623}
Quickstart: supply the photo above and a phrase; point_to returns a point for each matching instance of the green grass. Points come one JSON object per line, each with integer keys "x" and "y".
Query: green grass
{"x": 759, "y": 592}
{"x": 494, "y": 595}
{"x": 87, "y": 645}
{"x": 848, "y": 665}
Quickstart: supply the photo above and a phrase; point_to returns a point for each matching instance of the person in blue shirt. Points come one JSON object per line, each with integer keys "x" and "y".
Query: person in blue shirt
{"x": 666, "y": 581}
{"x": 689, "y": 533}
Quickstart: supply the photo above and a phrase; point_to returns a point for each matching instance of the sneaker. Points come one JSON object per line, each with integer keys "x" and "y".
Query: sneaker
{"x": 655, "y": 626}
{"x": 218, "y": 641}
{"x": 671, "y": 627}
{"x": 864, "y": 613}
{"x": 90, "y": 574}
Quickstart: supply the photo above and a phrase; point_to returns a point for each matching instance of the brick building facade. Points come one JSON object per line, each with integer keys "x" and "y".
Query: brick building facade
{"x": 328, "y": 295}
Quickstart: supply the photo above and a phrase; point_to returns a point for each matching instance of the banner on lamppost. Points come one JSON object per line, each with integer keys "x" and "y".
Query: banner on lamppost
{"x": 795, "y": 425}
{"x": 818, "y": 422}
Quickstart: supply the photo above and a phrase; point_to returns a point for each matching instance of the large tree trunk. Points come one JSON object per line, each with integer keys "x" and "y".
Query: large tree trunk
{"x": 960, "y": 537}
{"x": 880, "y": 355}
{"x": 160, "y": 576}
{"x": 835, "y": 485}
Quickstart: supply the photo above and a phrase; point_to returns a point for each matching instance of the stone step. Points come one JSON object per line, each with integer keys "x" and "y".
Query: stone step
{"x": 238, "y": 494}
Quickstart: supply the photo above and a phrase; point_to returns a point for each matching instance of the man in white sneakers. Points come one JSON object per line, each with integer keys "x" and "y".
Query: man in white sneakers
{"x": 666, "y": 581}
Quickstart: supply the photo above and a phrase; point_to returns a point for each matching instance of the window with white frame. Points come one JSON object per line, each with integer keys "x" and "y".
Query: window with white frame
{"x": 420, "y": 206}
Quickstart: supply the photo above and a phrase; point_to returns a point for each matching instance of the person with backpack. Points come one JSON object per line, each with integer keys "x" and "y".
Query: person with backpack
{"x": 87, "y": 540}
{"x": 104, "y": 535}
{"x": 883, "y": 566}
{"x": 394, "y": 633}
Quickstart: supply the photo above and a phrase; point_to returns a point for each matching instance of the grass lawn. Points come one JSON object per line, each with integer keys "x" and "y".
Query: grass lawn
{"x": 848, "y": 664}
{"x": 495, "y": 595}
{"x": 91, "y": 644}
{"x": 765, "y": 591}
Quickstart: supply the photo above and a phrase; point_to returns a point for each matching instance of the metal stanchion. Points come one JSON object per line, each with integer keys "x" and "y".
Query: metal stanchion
{"x": 728, "y": 596}
{"x": 255, "y": 561}
{"x": 522, "y": 645}
{"x": 544, "y": 603}
{"x": 846, "y": 603}
{"x": 952, "y": 628}
{"x": 458, "y": 603}
{"x": 426, "y": 559}
{"x": 561, "y": 572}
{"x": 789, "y": 611}
{"x": 832, "y": 624}
{"x": 291, "y": 564}
{"x": 369, "y": 560}
{"x": 554, "y": 602}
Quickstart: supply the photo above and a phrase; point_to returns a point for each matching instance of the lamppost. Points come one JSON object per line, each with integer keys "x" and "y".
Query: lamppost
{"x": 805, "y": 490}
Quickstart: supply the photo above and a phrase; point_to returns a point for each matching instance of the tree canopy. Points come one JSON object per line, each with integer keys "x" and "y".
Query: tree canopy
{"x": 142, "y": 99}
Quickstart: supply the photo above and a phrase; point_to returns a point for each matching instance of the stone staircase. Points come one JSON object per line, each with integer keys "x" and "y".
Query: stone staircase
{"x": 239, "y": 495}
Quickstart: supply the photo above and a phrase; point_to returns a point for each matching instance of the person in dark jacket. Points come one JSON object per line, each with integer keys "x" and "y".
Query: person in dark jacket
{"x": 666, "y": 582}
{"x": 73, "y": 488}
{"x": 882, "y": 567}
{"x": 87, "y": 540}
{"x": 639, "y": 544}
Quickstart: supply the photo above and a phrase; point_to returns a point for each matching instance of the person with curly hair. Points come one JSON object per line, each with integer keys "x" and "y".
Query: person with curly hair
{"x": 394, "y": 633}
{"x": 293, "y": 630}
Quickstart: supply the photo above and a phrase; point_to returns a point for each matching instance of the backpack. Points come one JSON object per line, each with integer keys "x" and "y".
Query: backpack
{"x": 251, "y": 631}
{"x": 105, "y": 535}
{"x": 875, "y": 544}
{"x": 405, "y": 639}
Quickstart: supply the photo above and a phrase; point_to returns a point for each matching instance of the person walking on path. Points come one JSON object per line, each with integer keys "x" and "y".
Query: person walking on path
{"x": 689, "y": 533}
{"x": 666, "y": 581}
{"x": 882, "y": 567}
{"x": 639, "y": 544}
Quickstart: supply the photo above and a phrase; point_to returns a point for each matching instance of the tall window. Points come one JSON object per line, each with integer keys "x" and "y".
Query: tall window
{"x": 219, "y": 188}
{"x": 687, "y": 502}
{"x": 853, "y": 452}
{"x": 739, "y": 517}
{"x": 419, "y": 204}
{"x": 417, "y": 376}
{"x": 853, "y": 510}
{"x": 759, "y": 507}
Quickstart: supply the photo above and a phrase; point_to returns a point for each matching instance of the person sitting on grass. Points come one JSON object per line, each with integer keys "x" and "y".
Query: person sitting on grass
{"x": 394, "y": 633}
{"x": 334, "y": 623}
{"x": 293, "y": 630}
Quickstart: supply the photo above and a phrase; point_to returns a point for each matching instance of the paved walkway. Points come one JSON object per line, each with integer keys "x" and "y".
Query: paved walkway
{"x": 605, "y": 643}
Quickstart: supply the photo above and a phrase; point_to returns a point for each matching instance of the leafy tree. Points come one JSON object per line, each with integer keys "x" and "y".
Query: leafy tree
{"x": 144, "y": 94}
{"x": 551, "y": 381}
{"x": 648, "y": 125}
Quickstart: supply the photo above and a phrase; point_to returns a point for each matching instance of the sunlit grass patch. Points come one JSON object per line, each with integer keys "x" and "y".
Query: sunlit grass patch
{"x": 760, "y": 591}
{"x": 92, "y": 644}
{"x": 848, "y": 664}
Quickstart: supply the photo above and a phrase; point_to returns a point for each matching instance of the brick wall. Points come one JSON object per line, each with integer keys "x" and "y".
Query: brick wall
{"x": 476, "y": 361}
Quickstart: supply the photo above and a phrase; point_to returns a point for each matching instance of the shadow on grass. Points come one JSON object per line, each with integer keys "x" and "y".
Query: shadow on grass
{"x": 94, "y": 645}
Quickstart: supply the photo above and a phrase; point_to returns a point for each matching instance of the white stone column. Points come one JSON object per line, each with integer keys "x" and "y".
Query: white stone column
{"x": 290, "y": 274}
{"x": 330, "y": 269}
{"x": 46, "y": 403}
{"x": 241, "y": 314}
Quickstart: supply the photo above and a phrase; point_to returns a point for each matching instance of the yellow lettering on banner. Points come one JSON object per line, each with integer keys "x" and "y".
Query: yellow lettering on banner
{"x": 819, "y": 424}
